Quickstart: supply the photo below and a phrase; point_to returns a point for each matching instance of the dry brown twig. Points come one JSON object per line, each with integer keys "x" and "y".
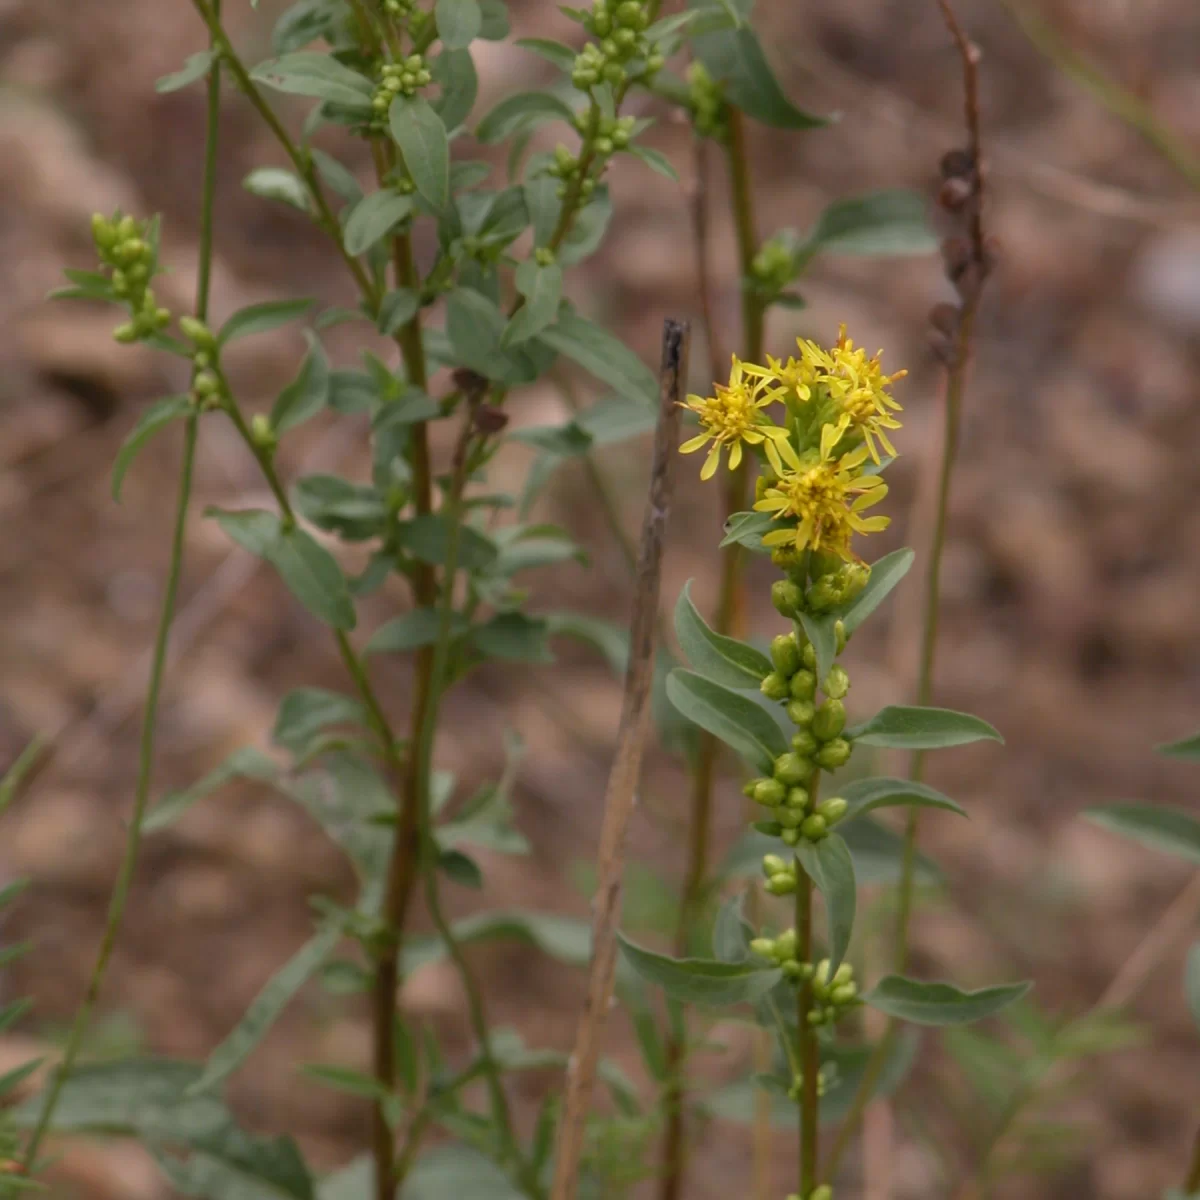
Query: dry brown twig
{"x": 619, "y": 798}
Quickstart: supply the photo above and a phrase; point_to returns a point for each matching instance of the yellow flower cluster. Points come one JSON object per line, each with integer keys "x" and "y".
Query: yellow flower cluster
{"x": 837, "y": 410}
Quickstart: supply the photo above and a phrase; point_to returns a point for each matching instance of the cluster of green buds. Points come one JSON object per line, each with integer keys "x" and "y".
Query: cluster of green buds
{"x": 823, "y": 583}
{"x": 710, "y": 113}
{"x": 623, "y": 52}
{"x": 833, "y": 994}
{"x": 817, "y": 740}
{"x": 208, "y": 389}
{"x": 610, "y": 135}
{"x": 773, "y": 266}
{"x": 779, "y": 874}
{"x": 126, "y": 251}
{"x": 404, "y": 78}
{"x": 570, "y": 170}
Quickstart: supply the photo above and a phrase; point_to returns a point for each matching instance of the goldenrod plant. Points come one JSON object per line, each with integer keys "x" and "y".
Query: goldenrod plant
{"x": 458, "y": 254}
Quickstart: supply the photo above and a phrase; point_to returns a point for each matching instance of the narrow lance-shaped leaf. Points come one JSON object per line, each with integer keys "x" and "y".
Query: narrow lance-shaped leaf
{"x": 940, "y": 1003}
{"x": 1185, "y": 748}
{"x": 601, "y": 354}
{"x": 829, "y": 865}
{"x": 541, "y": 286}
{"x": 701, "y": 981}
{"x": 261, "y": 318}
{"x": 265, "y": 1009}
{"x": 1161, "y": 828}
{"x": 310, "y": 73}
{"x": 862, "y": 795}
{"x": 307, "y": 394}
{"x": 421, "y": 136}
{"x": 459, "y": 22}
{"x": 907, "y": 727}
{"x": 373, "y": 217}
{"x": 885, "y": 222}
{"x": 823, "y": 635}
{"x": 158, "y": 416}
{"x": 736, "y": 720}
{"x": 885, "y": 574}
{"x": 721, "y": 659}
{"x": 196, "y": 67}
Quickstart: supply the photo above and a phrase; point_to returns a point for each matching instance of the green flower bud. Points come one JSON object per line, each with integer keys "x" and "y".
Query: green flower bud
{"x": 614, "y": 73}
{"x": 834, "y": 754}
{"x": 801, "y": 712}
{"x": 620, "y": 139}
{"x": 816, "y": 1017}
{"x": 786, "y": 596}
{"x": 543, "y": 256}
{"x": 789, "y": 818}
{"x": 120, "y": 283}
{"x": 587, "y": 187}
{"x": 809, "y": 656}
{"x": 821, "y": 973}
{"x": 829, "y": 720}
{"x": 843, "y": 994}
{"x": 201, "y": 360}
{"x": 797, "y": 797}
{"x": 162, "y": 317}
{"x": 791, "y": 969}
{"x": 833, "y": 809}
{"x": 196, "y": 330}
{"x": 103, "y": 233}
{"x": 749, "y": 786}
{"x": 804, "y": 742}
{"x": 626, "y": 39}
{"x": 601, "y": 24}
{"x": 764, "y": 947}
{"x": 206, "y": 384}
{"x": 814, "y": 828}
{"x": 126, "y": 228}
{"x": 628, "y": 12}
{"x": 803, "y": 684}
{"x": 769, "y": 792}
{"x": 380, "y": 103}
{"x": 785, "y": 654}
{"x": 781, "y": 885}
{"x": 839, "y": 635}
{"x": 837, "y": 683}
{"x": 844, "y": 973}
{"x": 824, "y": 1192}
{"x": 261, "y": 430}
{"x": 774, "y": 687}
{"x": 790, "y": 837}
{"x": 604, "y": 146}
{"x": 655, "y": 62}
{"x": 791, "y": 769}
{"x": 772, "y": 864}
{"x": 785, "y": 944}
{"x": 609, "y": 48}
{"x": 125, "y": 334}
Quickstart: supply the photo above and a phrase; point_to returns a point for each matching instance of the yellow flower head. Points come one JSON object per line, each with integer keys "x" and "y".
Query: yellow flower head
{"x": 733, "y": 416}
{"x": 826, "y": 497}
{"x": 796, "y": 377}
{"x": 859, "y": 386}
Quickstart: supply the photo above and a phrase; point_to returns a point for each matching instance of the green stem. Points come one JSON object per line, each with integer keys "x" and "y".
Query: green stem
{"x": 806, "y": 1034}
{"x": 158, "y": 663}
{"x": 1191, "y": 1185}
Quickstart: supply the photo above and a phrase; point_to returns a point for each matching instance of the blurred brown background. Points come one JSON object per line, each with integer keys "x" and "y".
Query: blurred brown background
{"x": 1071, "y": 583}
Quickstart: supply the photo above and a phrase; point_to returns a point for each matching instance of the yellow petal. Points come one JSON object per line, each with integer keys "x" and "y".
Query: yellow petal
{"x": 711, "y": 462}
{"x": 695, "y": 443}
{"x": 788, "y": 452}
{"x": 778, "y": 537}
{"x": 735, "y": 456}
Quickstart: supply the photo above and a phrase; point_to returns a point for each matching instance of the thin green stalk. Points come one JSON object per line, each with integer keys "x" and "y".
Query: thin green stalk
{"x": 806, "y": 1034}
{"x": 133, "y": 838}
{"x": 20, "y": 771}
{"x": 1191, "y": 1185}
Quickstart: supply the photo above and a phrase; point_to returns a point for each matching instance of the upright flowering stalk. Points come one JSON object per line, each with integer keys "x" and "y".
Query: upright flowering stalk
{"x": 817, "y": 427}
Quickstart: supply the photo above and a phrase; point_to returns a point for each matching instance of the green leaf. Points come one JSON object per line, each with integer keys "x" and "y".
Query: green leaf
{"x": 397, "y": 308}
{"x": 542, "y": 288}
{"x": 427, "y": 538}
{"x": 1191, "y": 982}
{"x": 600, "y": 354}
{"x": 1186, "y": 748}
{"x": 1170, "y": 829}
{"x": 884, "y": 223}
{"x": 307, "y": 394}
{"x": 905, "y": 727}
{"x": 276, "y": 183}
{"x": 513, "y": 637}
{"x": 413, "y": 630}
{"x": 460, "y": 868}
{"x": 265, "y": 1010}
{"x": 261, "y": 318}
{"x": 495, "y": 20}
{"x": 158, "y": 416}
{"x": 722, "y": 659}
{"x": 339, "y": 178}
{"x": 310, "y": 572}
{"x": 885, "y": 574}
{"x": 458, "y": 22}
{"x": 525, "y": 547}
{"x": 345, "y": 1080}
{"x": 310, "y": 73}
{"x": 607, "y": 637}
{"x": 878, "y": 853}
{"x": 829, "y": 865}
{"x": 862, "y": 795}
{"x": 735, "y": 57}
{"x": 656, "y": 160}
{"x": 459, "y": 1172}
{"x": 940, "y": 1003}
{"x": 522, "y": 111}
{"x": 244, "y": 763}
{"x": 374, "y": 217}
{"x": 821, "y": 632}
{"x": 454, "y": 72}
{"x": 588, "y": 229}
{"x": 736, "y": 720}
{"x": 701, "y": 981}
{"x": 474, "y": 325}
{"x": 560, "y": 54}
{"x": 355, "y": 512}
{"x": 421, "y": 136}
{"x": 563, "y": 938}
{"x": 732, "y": 932}
{"x": 195, "y": 68}
{"x": 306, "y": 712}
{"x": 747, "y": 529}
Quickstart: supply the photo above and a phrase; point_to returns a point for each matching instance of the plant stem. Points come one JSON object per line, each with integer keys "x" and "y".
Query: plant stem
{"x": 133, "y": 838}
{"x": 806, "y": 1034}
{"x": 1191, "y": 1185}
